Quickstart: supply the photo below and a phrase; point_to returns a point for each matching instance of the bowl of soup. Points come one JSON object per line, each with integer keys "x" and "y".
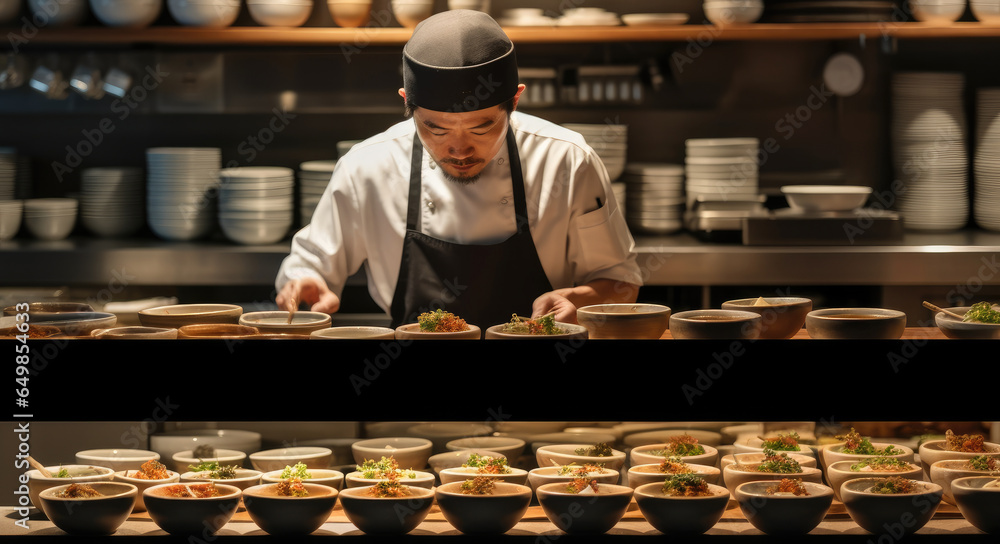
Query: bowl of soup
{"x": 632, "y": 320}
{"x": 856, "y": 323}
{"x": 713, "y": 324}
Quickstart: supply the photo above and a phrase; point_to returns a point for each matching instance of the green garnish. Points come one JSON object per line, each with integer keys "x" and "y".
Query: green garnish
{"x": 686, "y": 485}
{"x": 300, "y": 471}
{"x": 215, "y": 470}
{"x": 63, "y": 473}
{"x": 480, "y": 485}
{"x": 598, "y": 450}
{"x": 488, "y": 464}
{"x": 582, "y": 470}
{"x": 783, "y": 442}
{"x": 545, "y": 324}
{"x": 680, "y": 446}
{"x": 778, "y": 463}
{"x": 675, "y": 465}
{"x": 441, "y": 321}
{"x": 984, "y": 462}
{"x": 860, "y": 445}
{"x": 882, "y": 464}
{"x": 386, "y": 468}
{"x": 982, "y": 312}
{"x": 893, "y": 485}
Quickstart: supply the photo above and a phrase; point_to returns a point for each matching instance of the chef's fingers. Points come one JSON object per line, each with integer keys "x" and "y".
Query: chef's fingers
{"x": 328, "y": 303}
{"x": 288, "y": 296}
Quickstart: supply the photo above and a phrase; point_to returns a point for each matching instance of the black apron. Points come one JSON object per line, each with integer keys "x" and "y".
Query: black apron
{"x": 482, "y": 284}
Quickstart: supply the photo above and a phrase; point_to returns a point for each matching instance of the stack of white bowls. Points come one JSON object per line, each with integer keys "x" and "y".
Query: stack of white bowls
{"x": 654, "y": 197}
{"x": 50, "y": 218}
{"x": 289, "y": 13}
{"x": 10, "y": 218}
{"x": 256, "y": 203}
{"x": 111, "y": 201}
{"x": 610, "y": 142}
{"x": 8, "y": 173}
{"x": 721, "y": 168}
{"x": 929, "y": 149}
{"x": 986, "y": 164}
{"x": 314, "y": 176}
{"x": 180, "y": 190}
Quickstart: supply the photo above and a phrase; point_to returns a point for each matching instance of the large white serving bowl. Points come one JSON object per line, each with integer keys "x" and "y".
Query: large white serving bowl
{"x": 127, "y": 13}
{"x": 117, "y": 459}
{"x": 937, "y": 11}
{"x": 280, "y": 12}
{"x": 825, "y": 198}
{"x": 58, "y": 12}
{"x": 204, "y": 13}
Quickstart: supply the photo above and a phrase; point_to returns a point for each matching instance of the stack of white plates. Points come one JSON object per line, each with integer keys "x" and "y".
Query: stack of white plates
{"x": 721, "y": 168}
{"x": 314, "y": 176}
{"x": 111, "y": 201}
{"x": 654, "y": 197}
{"x": 8, "y": 173}
{"x": 180, "y": 190}
{"x": 930, "y": 155}
{"x": 256, "y": 203}
{"x": 986, "y": 200}
{"x": 610, "y": 142}
{"x": 589, "y": 16}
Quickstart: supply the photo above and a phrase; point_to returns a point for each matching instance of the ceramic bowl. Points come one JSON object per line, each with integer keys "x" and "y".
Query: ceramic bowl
{"x": 645, "y": 455}
{"x": 714, "y": 324}
{"x": 245, "y": 478}
{"x": 783, "y": 514}
{"x": 277, "y": 459}
{"x": 11, "y": 211}
{"x": 191, "y": 515}
{"x": 955, "y": 328}
{"x": 831, "y": 453}
{"x": 780, "y": 318}
{"x": 276, "y": 322}
{"x": 874, "y": 512}
{"x": 660, "y": 436}
{"x": 126, "y": 13}
{"x": 183, "y": 460}
{"x": 639, "y": 475}
{"x": 937, "y": 12}
{"x": 135, "y": 333}
{"x": 932, "y": 451}
{"x": 353, "y": 333}
{"x": 287, "y": 13}
{"x": 419, "y": 479}
{"x": 78, "y": 324}
{"x": 280, "y": 515}
{"x": 565, "y": 454}
{"x": 350, "y": 13}
{"x": 452, "y": 459}
{"x": 95, "y": 516}
{"x": 757, "y": 457}
{"x": 754, "y": 444}
{"x": 944, "y": 472}
{"x": 491, "y": 514}
{"x": 204, "y": 13}
{"x": 409, "y": 13}
{"x": 566, "y": 437}
{"x": 116, "y": 458}
{"x": 386, "y": 516}
{"x": 978, "y": 503}
{"x": 142, "y": 484}
{"x": 589, "y": 514}
{"x": 516, "y": 475}
{"x": 729, "y": 12}
{"x": 412, "y": 332}
{"x": 174, "y": 442}
{"x": 571, "y": 331}
{"x": 826, "y": 198}
{"x": 635, "y": 320}
{"x": 681, "y": 516}
{"x": 733, "y": 477}
{"x": 507, "y": 446}
{"x": 320, "y": 476}
{"x": 442, "y": 432}
{"x": 840, "y": 472}
{"x": 176, "y": 316}
{"x": 410, "y": 452}
{"x": 856, "y": 323}
{"x": 78, "y": 474}
{"x": 39, "y": 311}
{"x": 540, "y": 476}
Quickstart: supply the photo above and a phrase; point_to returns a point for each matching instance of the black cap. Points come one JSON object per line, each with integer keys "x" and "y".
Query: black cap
{"x": 459, "y": 60}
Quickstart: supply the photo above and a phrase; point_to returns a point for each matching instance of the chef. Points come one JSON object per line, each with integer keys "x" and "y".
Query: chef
{"x": 467, "y": 205}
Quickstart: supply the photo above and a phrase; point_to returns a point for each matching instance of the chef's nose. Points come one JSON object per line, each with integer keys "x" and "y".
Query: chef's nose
{"x": 460, "y": 148}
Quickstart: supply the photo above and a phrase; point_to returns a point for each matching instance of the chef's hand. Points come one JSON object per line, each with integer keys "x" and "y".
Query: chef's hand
{"x": 312, "y": 291}
{"x": 551, "y": 302}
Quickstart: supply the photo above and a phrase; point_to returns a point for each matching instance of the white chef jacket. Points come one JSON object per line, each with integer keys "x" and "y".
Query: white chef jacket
{"x": 575, "y": 222}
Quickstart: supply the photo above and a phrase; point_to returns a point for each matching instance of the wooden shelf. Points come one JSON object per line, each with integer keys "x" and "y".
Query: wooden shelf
{"x": 363, "y": 37}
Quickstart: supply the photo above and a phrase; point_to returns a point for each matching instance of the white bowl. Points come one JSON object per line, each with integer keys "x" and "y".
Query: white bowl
{"x": 565, "y": 454}
{"x": 823, "y": 198}
{"x": 11, "y": 212}
{"x": 350, "y": 13}
{"x": 419, "y": 479}
{"x": 508, "y": 446}
{"x": 142, "y": 484}
{"x": 183, "y": 460}
{"x": 409, "y": 13}
{"x": 127, "y": 13}
{"x": 255, "y": 232}
{"x": 210, "y": 13}
{"x": 168, "y": 444}
{"x": 460, "y": 474}
{"x": 724, "y": 12}
{"x": 77, "y": 474}
{"x": 322, "y": 476}
{"x": 58, "y": 12}
{"x": 55, "y": 226}
{"x": 440, "y": 433}
{"x": 280, "y": 13}
{"x": 276, "y": 459}
{"x": 117, "y": 459}
{"x": 937, "y": 12}
{"x": 410, "y": 452}
{"x": 986, "y": 12}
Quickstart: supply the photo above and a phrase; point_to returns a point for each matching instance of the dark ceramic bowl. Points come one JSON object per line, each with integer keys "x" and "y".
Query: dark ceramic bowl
{"x": 856, "y": 324}
{"x": 386, "y": 516}
{"x": 95, "y": 516}
{"x": 496, "y": 513}
{"x": 634, "y": 320}
{"x": 577, "y": 514}
{"x": 783, "y": 515}
{"x": 289, "y": 516}
{"x": 780, "y": 318}
{"x": 191, "y": 515}
{"x": 715, "y": 324}
{"x": 874, "y": 512}
{"x": 681, "y": 515}
{"x": 979, "y": 504}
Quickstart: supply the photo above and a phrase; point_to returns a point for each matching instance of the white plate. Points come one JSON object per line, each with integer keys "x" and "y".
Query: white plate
{"x": 654, "y": 19}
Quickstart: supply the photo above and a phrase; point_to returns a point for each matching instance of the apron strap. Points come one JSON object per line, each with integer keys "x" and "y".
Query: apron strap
{"x": 413, "y": 201}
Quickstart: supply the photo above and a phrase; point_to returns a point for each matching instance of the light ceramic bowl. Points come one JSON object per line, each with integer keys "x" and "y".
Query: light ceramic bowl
{"x": 546, "y": 475}
{"x": 660, "y": 436}
{"x": 135, "y": 333}
{"x": 386, "y": 516}
{"x": 452, "y": 459}
{"x": 59, "y": 12}
{"x": 856, "y": 324}
{"x": 782, "y": 317}
{"x": 78, "y": 324}
{"x": 460, "y": 474}
{"x": 95, "y": 516}
{"x": 116, "y": 458}
{"x": 825, "y": 198}
{"x": 254, "y": 231}
{"x": 277, "y": 322}
{"x": 353, "y": 333}
{"x": 183, "y": 460}
{"x": 191, "y": 515}
{"x": 491, "y": 514}
{"x": 126, "y": 13}
{"x": 571, "y": 332}
{"x": 681, "y": 516}
{"x": 320, "y": 476}
{"x": 932, "y": 451}
{"x": 733, "y": 12}
{"x": 78, "y": 474}
{"x": 978, "y": 504}
{"x": 217, "y": 331}
{"x": 279, "y": 515}
{"x": 712, "y": 324}
{"x": 732, "y": 477}
{"x": 39, "y": 311}
{"x": 937, "y": 12}
{"x": 639, "y": 475}
{"x": 757, "y": 457}
{"x": 946, "y": 471}
{"x": 565, "y": 437}
{"x": 591, "y": 514}
{"x": 509, "y": 447}
{"x": 985, "y": 12}
{"x": 785, "y": 514}
{"x": 874, "y": 512}
{"x": 244, "y": 478}
{"x": 177, "y": 315}
{"x": 565, "y": 454}
{"x": 289, "y": 13}
{"x": 838, "y": 473}
{"x": 954, "y": 328}
{"x": 204, "y": 13}
{"x": 420, "y": 479}
{"x": 754, "y": 444}
{"x": 276, "y": 459}
{"x": 640, "y": 455}
{"x": 410, "y": 13}
{"x": 442, "y": 432}
{"x": 168, "y": 444}
{"x": 11, "y": 212}
{"x": 50, "y": 226}
{"x": 141, "y": 484}
{"x": 635, "y": 321}
{"x": 350, "y": 13}
{"x": 410, "y": 452}
{"x": 831, "y": 453}
{"x": 412, "y": 332}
